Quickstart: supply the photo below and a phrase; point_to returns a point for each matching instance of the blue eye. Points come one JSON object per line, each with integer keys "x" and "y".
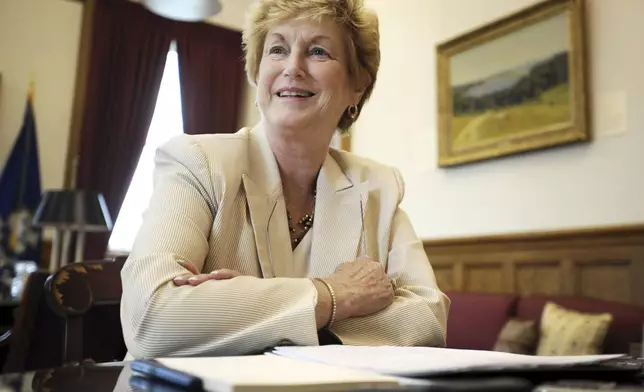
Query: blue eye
{"x": 319, "y": 52}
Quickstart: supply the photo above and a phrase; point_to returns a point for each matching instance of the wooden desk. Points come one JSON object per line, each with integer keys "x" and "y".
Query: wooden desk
{"x": 115, "y": 376}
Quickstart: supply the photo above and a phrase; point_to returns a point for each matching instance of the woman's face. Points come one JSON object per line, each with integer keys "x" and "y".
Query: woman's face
{"x": 303, "y": 76}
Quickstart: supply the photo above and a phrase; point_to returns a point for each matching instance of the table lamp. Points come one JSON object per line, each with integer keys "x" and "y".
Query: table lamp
{"x": 67, "y": 211}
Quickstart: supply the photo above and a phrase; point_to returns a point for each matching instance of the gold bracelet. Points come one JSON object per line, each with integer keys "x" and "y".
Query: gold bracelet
{"x": 334, "y": 305}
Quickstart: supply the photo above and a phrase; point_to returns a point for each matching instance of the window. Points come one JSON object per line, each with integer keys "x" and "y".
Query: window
{"x": 166, "y": 123}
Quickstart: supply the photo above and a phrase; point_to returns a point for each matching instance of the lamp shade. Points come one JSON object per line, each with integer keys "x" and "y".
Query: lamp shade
{"x": 73, "y": 209}
{"x": 184, "y": 10}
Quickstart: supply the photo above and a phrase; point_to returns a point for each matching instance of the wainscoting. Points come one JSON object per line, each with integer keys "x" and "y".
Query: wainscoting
{"x": 603, "y": 263}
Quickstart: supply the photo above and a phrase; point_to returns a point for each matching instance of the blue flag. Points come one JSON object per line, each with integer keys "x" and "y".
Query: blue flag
{"x": 20, "y": 194}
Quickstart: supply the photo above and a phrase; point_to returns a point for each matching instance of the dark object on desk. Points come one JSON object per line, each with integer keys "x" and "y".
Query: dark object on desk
{"x": 618, "y": 374}
{"x": 157, "y": 373}
{"x": 625, "y": 369}
{"x": 586, "y": 386}
{"x": 144, "y": 384}
{"x": 494, "y": 384}
{"x": 627, "y": 363}
{"x": 618, "y": 370}
{"x": 68, "y": 317}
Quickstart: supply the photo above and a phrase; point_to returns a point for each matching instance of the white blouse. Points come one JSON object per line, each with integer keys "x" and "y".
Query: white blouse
{"x": 302, "y": 256}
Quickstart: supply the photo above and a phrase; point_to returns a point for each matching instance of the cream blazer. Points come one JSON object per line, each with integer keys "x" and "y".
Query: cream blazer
{"x": 217, "y": 203}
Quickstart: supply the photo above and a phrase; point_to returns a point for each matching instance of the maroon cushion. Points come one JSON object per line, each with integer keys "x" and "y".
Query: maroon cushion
{"x": 475, "y": 319}
{"x": 626, "y": 327}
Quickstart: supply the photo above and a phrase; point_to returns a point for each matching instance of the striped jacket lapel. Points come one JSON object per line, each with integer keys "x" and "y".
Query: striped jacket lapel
{"x": 265, "y": 199}
{"x": 338, "y": 231}
{"x": 261, "y": 208}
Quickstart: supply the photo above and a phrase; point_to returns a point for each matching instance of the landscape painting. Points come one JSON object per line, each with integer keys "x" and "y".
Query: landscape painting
{"x": 514, "y": 86}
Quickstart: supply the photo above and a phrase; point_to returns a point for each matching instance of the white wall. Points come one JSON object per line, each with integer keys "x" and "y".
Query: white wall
{"x": 598, "y": 184}
{"x": 39, "y": 38}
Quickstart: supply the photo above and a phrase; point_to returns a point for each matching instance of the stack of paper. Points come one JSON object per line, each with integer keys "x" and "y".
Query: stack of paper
{"x": 429, "y": 361}
{"x": 272, "y": 372}
{"x": 333, "y": 368}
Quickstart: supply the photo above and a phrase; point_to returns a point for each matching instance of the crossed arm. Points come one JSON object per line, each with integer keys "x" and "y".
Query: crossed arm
{"x": 403, "y": 321}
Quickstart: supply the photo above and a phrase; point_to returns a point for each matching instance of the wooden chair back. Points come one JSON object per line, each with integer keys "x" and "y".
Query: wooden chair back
{"x": 69, "y": 317}
{"x": 34, "y": 339}
{"x": 87, "y": 296}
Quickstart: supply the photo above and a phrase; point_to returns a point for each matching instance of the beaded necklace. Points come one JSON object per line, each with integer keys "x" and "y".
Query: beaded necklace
{"x": 306, "y": 222}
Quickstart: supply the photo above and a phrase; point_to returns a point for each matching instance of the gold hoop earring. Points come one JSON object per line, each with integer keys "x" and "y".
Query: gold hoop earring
{"x": 352, "y": 112}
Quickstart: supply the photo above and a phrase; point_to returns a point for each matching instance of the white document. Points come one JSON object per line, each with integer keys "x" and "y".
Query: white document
{"x": 429, "y": 361}
{"x": 271, "y": 372}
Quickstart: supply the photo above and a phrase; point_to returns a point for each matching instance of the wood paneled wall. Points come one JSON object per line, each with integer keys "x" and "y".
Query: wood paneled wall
{"x": 604, "y": 263}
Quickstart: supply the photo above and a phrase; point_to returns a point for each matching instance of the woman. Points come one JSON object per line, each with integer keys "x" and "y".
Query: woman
{"x": 267, "y": 236}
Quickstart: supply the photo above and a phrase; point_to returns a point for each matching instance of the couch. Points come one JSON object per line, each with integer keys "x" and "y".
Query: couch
{"x": 476, "y": 319}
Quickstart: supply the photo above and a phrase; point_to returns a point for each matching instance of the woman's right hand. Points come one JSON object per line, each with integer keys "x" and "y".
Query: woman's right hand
{"x": 361, "y": 287}
{"x": 195, "y": 278}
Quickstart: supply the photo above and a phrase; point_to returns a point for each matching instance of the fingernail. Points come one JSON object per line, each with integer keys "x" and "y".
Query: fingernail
{"x": 215, "y": 272}
{"x": 193, "y": 279}
{"x": 179, "y": 279}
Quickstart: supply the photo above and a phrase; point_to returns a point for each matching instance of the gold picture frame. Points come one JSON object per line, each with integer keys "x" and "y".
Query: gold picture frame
{"x": 514, "y": 85}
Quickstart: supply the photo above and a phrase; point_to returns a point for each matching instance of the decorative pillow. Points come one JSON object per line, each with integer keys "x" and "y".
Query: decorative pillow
{"x": 518, "y": 337}
{"x": 568, "y": 332}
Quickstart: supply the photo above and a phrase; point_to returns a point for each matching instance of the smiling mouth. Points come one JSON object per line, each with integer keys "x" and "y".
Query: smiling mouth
{"x": 295, "y": 94}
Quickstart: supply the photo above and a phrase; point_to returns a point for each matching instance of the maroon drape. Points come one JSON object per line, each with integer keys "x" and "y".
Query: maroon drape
{"x": 128, "y": 52}
{"x": 211, "y": 71}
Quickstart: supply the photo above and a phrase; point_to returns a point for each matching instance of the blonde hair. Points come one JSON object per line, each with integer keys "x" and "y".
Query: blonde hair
{"x": 362, "y": 38}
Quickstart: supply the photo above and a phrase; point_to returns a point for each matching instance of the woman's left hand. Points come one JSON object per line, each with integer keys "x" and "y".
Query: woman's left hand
{"x": 196, "y": 278}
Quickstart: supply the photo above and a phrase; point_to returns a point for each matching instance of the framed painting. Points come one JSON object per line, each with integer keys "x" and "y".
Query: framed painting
{"x": 514, "y": 85}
